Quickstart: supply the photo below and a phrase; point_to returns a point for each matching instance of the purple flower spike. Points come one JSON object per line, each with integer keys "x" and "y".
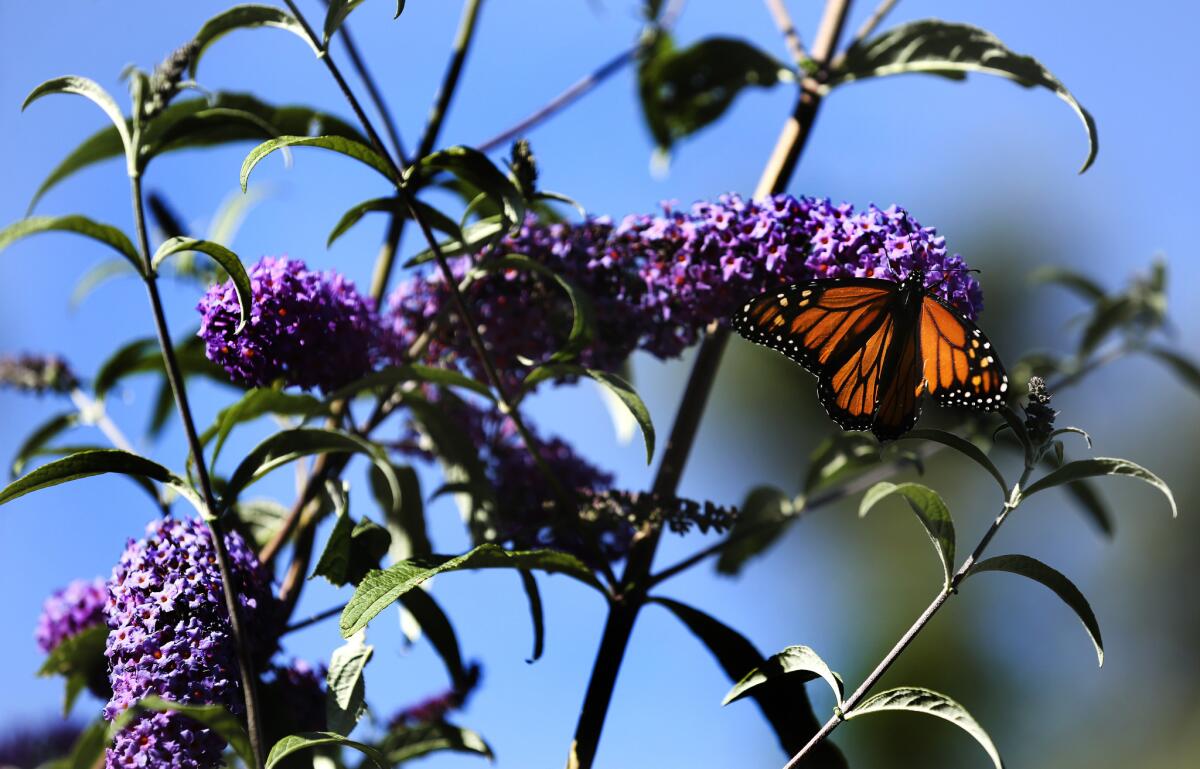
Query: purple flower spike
{"x": 309, "y": 329}
{"x": 69, "y": 611}
{"x": 170, "y": 637}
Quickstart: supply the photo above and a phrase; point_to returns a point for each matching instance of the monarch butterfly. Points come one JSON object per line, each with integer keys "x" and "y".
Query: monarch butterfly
{"x": 877, "y": 346}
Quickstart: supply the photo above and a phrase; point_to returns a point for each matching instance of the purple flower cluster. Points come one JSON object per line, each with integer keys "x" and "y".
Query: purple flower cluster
{"x": 434, "y": 709}
{"x": 309, "y": 329}
{"x": 658, "y": 281}
{"x": 67, "y": 612}
{"x": 170, "y": 637}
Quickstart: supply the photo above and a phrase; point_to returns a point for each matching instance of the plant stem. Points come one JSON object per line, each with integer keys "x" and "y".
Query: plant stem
{"x": 787, "y": 27}
{"x": 332, "y": 611}
{"x": 212, "y": 511}
{"x": 631, "y": 593}
{"x": 951, "y": 588}
{"x": 441, "y": 104}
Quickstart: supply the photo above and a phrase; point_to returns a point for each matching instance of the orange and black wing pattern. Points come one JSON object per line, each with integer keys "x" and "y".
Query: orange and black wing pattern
{"x": 960, "y": 368}
{"x": 841, "y": 330}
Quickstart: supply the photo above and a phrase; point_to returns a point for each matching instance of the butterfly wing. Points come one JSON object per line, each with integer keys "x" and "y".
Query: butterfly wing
{"x": 840, "y": 330}
{"x": 900, "y": 399}
{"x": 959, "y": 366}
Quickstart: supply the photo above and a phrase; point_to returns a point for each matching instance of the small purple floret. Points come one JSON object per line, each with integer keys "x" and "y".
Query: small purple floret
{"x": 69, "y": 611}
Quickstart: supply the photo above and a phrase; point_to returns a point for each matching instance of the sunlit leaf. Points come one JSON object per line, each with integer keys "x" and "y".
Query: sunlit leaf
{"x": 352, "y": 551}
{"x": 1037, "y": 571}
{"x": 619, "y": 387}
{"x": 345, "y": 687}
{"x": 106, "y": 234}
{"x": 43, "y": 434}
{"x": 912, "y": 699}
{"x": 953, "y": 50}
{"x": 305, "y": 740}
{"x": 964, "y": 447}
{"x": 339, "y": 144}
{"x": 246, "y": 17}
{"x": 793, "y": 659}
{"x": 537, "y": 613}
{"x": 474, "y": 167}
{"x": 408, "y": 742}
{"x": 215, "y": 717}
{"x": 930, "y": 510}
{"x": 437, "y": 628}
{"x": 336, "y": 14}
{"x": 85, "y": 464}
{"x": 229, "y": 262}
{"x": 435, "y": 218}
{"x": 475, "y": 237}
{"x": 393, "y": 376}
{"x": 1100, "y": 466}
{"x": 256, "y": 403}
{"x": 763, "y": 516}
{"x": 382, "y": 588}
{"x": 89, "y": 89}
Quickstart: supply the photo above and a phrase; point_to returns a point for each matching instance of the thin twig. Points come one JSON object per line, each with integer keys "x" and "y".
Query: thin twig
{"x": 873, "y": 21}
{"x": 441, "y": 104}
{"x": 373, "y": 91}
{"x": 791, "y": 36}
{"x": 332, "y": 611}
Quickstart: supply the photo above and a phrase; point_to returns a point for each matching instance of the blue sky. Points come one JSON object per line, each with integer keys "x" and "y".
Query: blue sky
{"x": 982, "y": 161}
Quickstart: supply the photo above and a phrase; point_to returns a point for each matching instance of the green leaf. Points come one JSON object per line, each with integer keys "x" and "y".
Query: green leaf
{"x": 43, "y": 434}
{"x": 1089, "y": 499}
{"x": 839, "y": 457}
{"x": 246, "y": 17}
{"x": 474, "y": 238}
{"x": 435, "y": 218}
{"x": 380, "y": 589}
{"x": 85, "y": 464}
{"x": 930, "y": 509}
{"x": 953, "y": 50}
{"x": 537, "y": 613}
{"x": 684, "y": 90}
{"x": 257, "y": 403}
{"x": 1099, "y": 466}
{"x": 793, "y": 659}
{"x": 784, "y": 703}
{"x": 1069, "y": 279}
{"x": 437, "y": 628}
{"x": 289, "y": 445}
{"x": 94, "y": 277}
{"x": 474, "y": 167}
{"x": 337, "y": 13}
{"x": 583, "y": 316}
{"x": 257, "y": 520}
{"x": 215, "y": 717}
{"x": 409, "y": 742}
{"x": 89, "y": 89}
{"x": 348, "y": 147}
{"x": 399, "y": 8}
{"x": 352, "y": 551}
{"x": 912, "y": 699}
{"x": 964, "y": 447}
{"x": 345, "y": 687}
{"x": 228, "y": 260}
{"x": 1037, "y": 571}
{"x": 106, "y": 234}
{"x": 405, "y": 516}
{"x": 80, "y": 659}
{"x": 135, "y": 357}
{"x": 1185, "y": 369}
{"x": 393, "y": 376}
{"x": 296, "y": 742}
{"x": 765, "y": 513}
{"x": 616, "y": 384}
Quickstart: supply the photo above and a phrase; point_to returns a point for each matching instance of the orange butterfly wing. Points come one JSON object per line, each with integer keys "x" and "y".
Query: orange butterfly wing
{"x": 840, "y": 330}
{"x": 959, "y": 366}
{"x": 900, "y": 401}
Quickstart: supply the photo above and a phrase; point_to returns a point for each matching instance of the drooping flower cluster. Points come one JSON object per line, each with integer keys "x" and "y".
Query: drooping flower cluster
{"x": 170, "y": 636}
{"x": 434, "y": 709}
{"x": 657, "y": 282}
{"x": 37, "y": 374}
{"x": 310, "y": 329}
{"x": 69, "y": 611}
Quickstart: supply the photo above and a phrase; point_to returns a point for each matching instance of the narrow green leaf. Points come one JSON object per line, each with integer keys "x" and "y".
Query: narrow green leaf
{"x": 94, "y": 277}
{"x": 394, "y": 376}
{"x": 583, "y": 316}
{"x": 1037, "y": 571}
{"x": 930, "y": 510}
{"x": 529, "y": 582}
{"x": 106, "y": 234}
{"x": 474, "y": 167}
{"x": 474, "y": 238}
{"x": 43, "y": 434}
{"x": 839, "y": 457}
{"x": 408, "y": 742}
{"x": 1077, "y": 282}
{"x": 783, "y": 701}
{"x": 85, "y": 464}
{"x": 405, "y": 516}
{"x": 765, "y": 512}
{"x": 352, "y": 551}
{"x": 336, "y": 15}
{"x": 215, "y": 717}
{"x": 339, "y": 144}
{"x": 1074, "y": 430}
{"x": 616, "y": 384}
{"x": 953, "y": 50}
{"x": 1099, "y": 466}
{"x": 257, "y": 403}
{"x": 345, "y": 687}
{"x": 437, "y": 628}
{"x": 246, "y": 17}
{"x": 964, "y": 447}
{"x": 793, "y": 659}
{"x": 684, "y": 90}
{"x": 399, "y": 8}
{"x": 296, "y": 742}
{"x": 88, "y": 750}
{"x": 289, "y": 445}
{"x": 136, "y": 356}
{"x": 1185, "y": 369}
{"x": 913, "y": 699}
{"x": 1090, "y": 500}
{"x": 381, "y": 589}
{"x": 228, "y": 260}
{"x": 89, "y": 89}
{"x": 435, "y": 218}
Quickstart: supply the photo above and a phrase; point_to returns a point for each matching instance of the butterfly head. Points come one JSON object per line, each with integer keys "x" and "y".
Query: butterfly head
{"x": 914, "y": 281}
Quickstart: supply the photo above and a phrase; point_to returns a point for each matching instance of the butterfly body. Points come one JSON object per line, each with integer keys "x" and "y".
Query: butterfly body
{"x": 877, "y": 347}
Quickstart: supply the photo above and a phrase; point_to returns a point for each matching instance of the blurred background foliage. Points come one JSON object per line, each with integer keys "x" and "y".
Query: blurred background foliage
{"x": 990, "y": 165}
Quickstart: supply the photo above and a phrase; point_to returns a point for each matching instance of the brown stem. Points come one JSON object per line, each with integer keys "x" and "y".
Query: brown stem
{"x": 783, "y": 20}
{"x": 623, "y": 612}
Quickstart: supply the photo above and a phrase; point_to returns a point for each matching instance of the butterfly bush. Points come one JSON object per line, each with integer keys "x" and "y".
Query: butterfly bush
{"x": 69, "y": 611}
{"x": 170, "y": 636}
{"x": 310, "y": 329}
{"x": 658, "y": 281}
